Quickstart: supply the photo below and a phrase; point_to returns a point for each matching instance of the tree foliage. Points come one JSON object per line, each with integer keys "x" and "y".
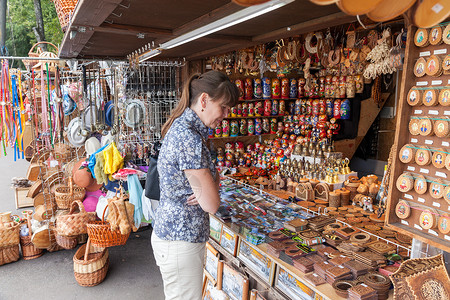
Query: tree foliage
{"x": 20, "y": 20}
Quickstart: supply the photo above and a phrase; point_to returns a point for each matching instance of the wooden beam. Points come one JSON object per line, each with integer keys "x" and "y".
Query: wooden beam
{"x": 219, "y": 50}
{"x": 305, "y": 27}
{"x": 133, "y": 30}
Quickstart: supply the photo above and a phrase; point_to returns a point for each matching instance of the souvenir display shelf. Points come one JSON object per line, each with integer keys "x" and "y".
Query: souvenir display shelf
{"x": 406, "y": 217}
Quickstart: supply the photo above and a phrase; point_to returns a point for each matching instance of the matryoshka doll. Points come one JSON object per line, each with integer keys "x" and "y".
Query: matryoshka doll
{"x": 284, "y": 88}
{"x": 350, "y": 87}
{"x": 280, "y": 127}
{"x": 251, "y": 110}
{"x": 337, "y": 109}
{"x": 239, "y": 110}
{"x": 292, "y": 107}
{"x": 210, "y": 132}
{"x": 334, "y": 126}
{"x": 218, "y": 131}
{"x": 330, "y": 106}
{"x": 267, "y": 108}
{"x": 273, "y": 125}
{"x": 250, "y": 127}
{"x": 309, "y": 104}
{"x": 259, "y": 110}
{"x": 322, "y": 86}
{"x": 315, "y": 107}
{"x": 265, "y": 125}
{"x": 225, "y": 128}
{"x": 293, "y": 88}
{"x": 248, "y": 89}
{"x": 303, "y": 105}
{"x": 314, "y": 87}
{"x": 359, "y": 83}
{"x": 342, "y": 88}
{"x": 327, "y": 86}
{"x": 267, "y": 90}
{"x": 243, "y": 127}
{"x": 229, "y": 148}
{"x": 301, "y": 87}
{"x": 276, "y": 88}
{"x": 220, "y": 161}
{"x": 234, "y": 128}
{"x": 239, "y": 146}
{"x": 282, "y": 108}
{"x": 245, "y": 110}
{"x": 298, "y": 107}
{"x": 240, "y": 85}
{"x": 257, "y": 88}
{"x": 334, "y": 87}
{"x": 258, "y": 126}
{"x": 345, "y": 109}
{"x": 274, "y": 107}
{"x": 234, "y": 111}
{"x": 322, "y": 107}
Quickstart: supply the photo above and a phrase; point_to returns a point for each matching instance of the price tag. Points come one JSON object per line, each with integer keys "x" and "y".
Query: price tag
{"x": 437, "y": 8}
{"x": 408, "y": 196}
{"x": 448, "y": 82}
{"x": 417, "y": 227}
{"x": 315, "y": 275}
{"x": 426, "y": 171}
{"x": 447, "y": 113}
{"x": 325, "y": 262}
{"x": 446, "y": 144}
{"x": 429, "y": 142}
{"x": 404, "y": 222}
{"x": 413, "y": 140}
{"x": 433, "y": 112}
{"x": 425, "y": 53}
{"x": 447, "y": 237}
{"x": 440, "y": 51}
{"x": 436, "y": 82}
{"x": 421, "y": 83}
{"x": 417, "y": 111}
{"x": 421, "y": 200}
{"x": 432, "y": 232}
{"x": 341, "y": 267}
{"x": 411, "y": 168}
{"x": 364, "y": 285}
{"x": 440, "y": 174}
{"x": 435, "y": 204}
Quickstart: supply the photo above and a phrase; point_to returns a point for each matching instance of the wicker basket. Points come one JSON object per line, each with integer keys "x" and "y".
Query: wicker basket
{"x": 29, "y": 251}
{"x": 64, "y": 10}
{"x": 9, "y": 236}
{"x": 36, "y": 51}
{"x": 9, "y": 254}
{"x": 90, "y": 265}
{"x": 66, "y": 242}
{"x": 101, "y": 235}
{"x": 74, "y": 223}
{"x": 65, "y": 195}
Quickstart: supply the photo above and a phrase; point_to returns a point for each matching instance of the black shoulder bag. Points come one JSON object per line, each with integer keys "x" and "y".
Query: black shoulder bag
{"x": 152, "y": 189}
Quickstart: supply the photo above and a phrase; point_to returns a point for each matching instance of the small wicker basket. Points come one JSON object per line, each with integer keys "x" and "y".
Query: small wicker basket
{"x": 90, "y": 265}
{"x": 29, "y": 251}
{"x": 65, "y": 195}
{"x": 9, "y": 254}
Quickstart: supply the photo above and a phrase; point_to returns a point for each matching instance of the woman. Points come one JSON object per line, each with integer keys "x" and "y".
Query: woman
{"x": 189, "y": 183}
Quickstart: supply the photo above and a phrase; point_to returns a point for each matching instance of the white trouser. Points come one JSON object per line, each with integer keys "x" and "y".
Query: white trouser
{"x": 181, "y": 266}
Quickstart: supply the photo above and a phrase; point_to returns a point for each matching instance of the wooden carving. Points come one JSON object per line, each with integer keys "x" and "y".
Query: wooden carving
{"x": 304, "y": 191}
{"x": 321, "y": 191}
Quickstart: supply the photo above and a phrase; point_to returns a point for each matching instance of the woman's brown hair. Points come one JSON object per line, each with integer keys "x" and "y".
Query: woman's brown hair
{"x": 216, "y": 84}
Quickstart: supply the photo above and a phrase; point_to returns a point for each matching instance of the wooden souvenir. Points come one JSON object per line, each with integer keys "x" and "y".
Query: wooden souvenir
{"x": 444, "y": 223}
{"x": 402, "y": 209}
{"x": 213, "y": 266}
{"x": 446, "y": 35}
{"x": 420, "y": 67}
{"x": 257, "y": 261}
{"x": 35, "y": 189}
{"x": 435, "y": 35}
{"x": 437, "y": 188}
{"x": 423, "y": 156}
{"x": 438, "y": 158}
{"x": 421, "y": 37}
{"x": 414, "y": 97}
{"x": 304, "y": 191}
{"x": 431, "y": 12}
{"x": 425, "y": 127}
{"x": 406, "y": 154}
{"x": 444, "y": 95}
{"x": 405, "y": 182}
{"x": 420, "y": 185}
{"x": 321, "y": 191}
{"x": 234, "y": 283}
{"x": 34, "y": 170}
{"x": 290, "y": 284}
{"x": 388, "y": 10}
{"x": 447, "y": 194}
{"x": 428, "y": 219}
{"x": 441, "y": 127}
{"x": 434, "y": 66}
{"x": 414, "y": 128}
{"x": 429, "y": 98}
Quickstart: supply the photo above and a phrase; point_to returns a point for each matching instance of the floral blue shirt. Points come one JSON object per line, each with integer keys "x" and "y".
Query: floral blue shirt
{"x": 182, "y": 149}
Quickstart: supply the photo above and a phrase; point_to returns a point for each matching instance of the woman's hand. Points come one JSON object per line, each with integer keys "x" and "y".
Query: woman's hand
{"x": 192, "y": 200}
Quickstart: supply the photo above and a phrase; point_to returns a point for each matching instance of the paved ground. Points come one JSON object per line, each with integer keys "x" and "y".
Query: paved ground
{"x": 132, "y": 272}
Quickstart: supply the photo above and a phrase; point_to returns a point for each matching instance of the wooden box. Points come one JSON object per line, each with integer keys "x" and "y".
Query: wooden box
{"x": 21, "y": 198}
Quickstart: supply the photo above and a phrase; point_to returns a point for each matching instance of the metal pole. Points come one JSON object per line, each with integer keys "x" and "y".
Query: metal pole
{"x": 3, "y": 6}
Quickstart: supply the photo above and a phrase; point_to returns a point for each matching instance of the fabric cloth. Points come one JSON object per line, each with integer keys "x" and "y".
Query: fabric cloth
{"x": 100, "y": 175}
{"x": 113, "y": 159}
{"x": 181, "y": 266}
{"x": 135, "y": 191}
{"x": 92, "y": 160}
{"x": 182, "y": 149}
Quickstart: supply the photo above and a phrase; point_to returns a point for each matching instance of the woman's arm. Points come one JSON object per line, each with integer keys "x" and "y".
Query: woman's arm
{"x": 205, "y": 189}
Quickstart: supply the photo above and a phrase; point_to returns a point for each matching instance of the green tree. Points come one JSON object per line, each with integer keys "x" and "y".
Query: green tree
{"x": 20, "y": 20}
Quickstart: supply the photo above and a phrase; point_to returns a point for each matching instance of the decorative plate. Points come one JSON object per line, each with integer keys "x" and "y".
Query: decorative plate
{"x": 414, "y": 127}
{"x": 447, "y": 194}
{"x": 435, "y": 35}
{"x": 406, "y": 154}
{"x": 419, "y": 67}
{"x": 446, "y": 63}
{"x": 434, "y": 66}
{"x": 441, "y": 128}
{"x": 444, "y": 96}
{"x": 447, "y": 162}
{"x": 421, "y": 37}
{"x": 425, "y": 127}
{"x": 438, "y": 158}
{"x": 405, "y": 182}
{"x": 444, "y": 223}
{"x": 423, "y": 156}
{"x": 420, "y": 185}
{"x": 446, "y": 35}
{"x": 402, "y": 209}
{"x": 428, "y": 219}
{"x": 429, "y": 98}
{"x": 437, "y": 188}
{"x": 414, "y": 97}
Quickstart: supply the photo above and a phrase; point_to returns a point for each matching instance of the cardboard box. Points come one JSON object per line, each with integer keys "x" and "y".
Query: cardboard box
{"x": 21, "y": 198}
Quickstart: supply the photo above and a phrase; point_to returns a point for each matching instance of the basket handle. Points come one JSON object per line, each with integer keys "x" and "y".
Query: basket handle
{"x": 104, "y": 210}
{"x": 70, "y": 186}
{"x": 88, "y": 248}
{"x": 41, "y": 43}
{"x": 77, "y": 204}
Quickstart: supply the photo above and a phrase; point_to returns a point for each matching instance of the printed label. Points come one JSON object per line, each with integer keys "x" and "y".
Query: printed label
{"x": 408, "y": 196}
{"x": 440, "y": 51}
{"x": 426, "y": 171}
{"x": 425, "y": 53}
{"x": 428, "y": 142}
{"x": 446, "y": 144}
{"x": 413, "y": 140}
{"x": 404, "y": 222}
{"x": 418, "y": 111}
{"x": 436, "y": 82}
{"x": 421, "y": 200}
{"x": 315, "y": 275}
{"x": 417, "y": 227}
{"x": 432, "y": 232}
{"x": 364, "y": 285}
{"x": 437, "y": 8}
{"x": 433, "y": 112}
{"x": 447, "y": 237}
{"x": 341, "y": 267}
{"x": 440, "y": 174}
{"x": 411, "y": 168}
{"x": 421, "y": 83}
{"x": 435, "y": 204}
{"x": 447, "y": 113}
